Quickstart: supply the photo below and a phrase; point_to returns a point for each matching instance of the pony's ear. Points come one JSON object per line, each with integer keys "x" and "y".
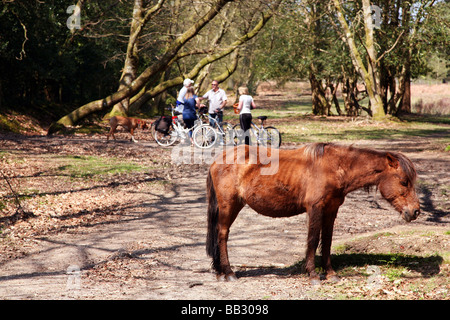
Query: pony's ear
{"x": 392, "y": 161}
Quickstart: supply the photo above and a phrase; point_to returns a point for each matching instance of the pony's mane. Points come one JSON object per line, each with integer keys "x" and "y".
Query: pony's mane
{"x": 316, "y": 151}
{"x": 406, "y": 165}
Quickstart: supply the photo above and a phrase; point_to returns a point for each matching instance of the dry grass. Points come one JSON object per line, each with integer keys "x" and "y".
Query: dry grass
{"x": 431, "y": 98}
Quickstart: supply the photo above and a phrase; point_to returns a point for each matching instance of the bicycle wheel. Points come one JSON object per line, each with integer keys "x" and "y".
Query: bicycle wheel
{"x": 166, "y": 140}
{"x": 228, "y": 134}
{"x": 270, "y": 137}
{"x": 239, "y": 135}
{"x": 204, "y": 136}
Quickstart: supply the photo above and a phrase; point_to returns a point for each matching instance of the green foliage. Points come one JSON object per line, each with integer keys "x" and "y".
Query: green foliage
{"x": 42, "y": 63}
{"x": 306, "y": 39}
{"x": 300, "y": 36}
{"x": 436, "y": 40}
{"x": 48, "y": 69}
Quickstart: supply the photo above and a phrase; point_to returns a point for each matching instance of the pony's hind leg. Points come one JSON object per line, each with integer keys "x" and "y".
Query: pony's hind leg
{"x": 226, "y": 219}
{"x": 223, "y": 209}
{"x": 225, "y": 273}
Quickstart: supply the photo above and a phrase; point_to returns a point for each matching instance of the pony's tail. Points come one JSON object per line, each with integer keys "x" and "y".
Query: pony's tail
{"x": 212, "y": 238}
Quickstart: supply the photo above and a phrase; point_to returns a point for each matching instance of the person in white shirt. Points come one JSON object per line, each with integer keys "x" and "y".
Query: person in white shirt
{"x": 180, "y": 100}
{"x": 217, "y": 100}
{"x": 246, "y": 104}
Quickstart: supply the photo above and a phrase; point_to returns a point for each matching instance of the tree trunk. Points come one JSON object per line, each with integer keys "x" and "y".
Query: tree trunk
{"x": 369, "y": 75}
{"x": 348, "y": 93}
{"x": 372, "y": 76}
{"x": 405, "y": 101}
{"x": 129, "y": 72}
{"x": 334, "y": 89}
{"x": 320, "y": 104}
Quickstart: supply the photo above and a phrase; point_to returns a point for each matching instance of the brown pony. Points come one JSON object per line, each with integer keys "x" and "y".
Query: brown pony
{"x": 313, "y": 179}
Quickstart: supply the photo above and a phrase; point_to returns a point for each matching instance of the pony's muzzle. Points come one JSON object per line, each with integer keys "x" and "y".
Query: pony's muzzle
{"x": 409, "y": 215}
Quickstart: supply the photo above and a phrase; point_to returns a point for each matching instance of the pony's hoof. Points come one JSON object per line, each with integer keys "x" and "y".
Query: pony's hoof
{"x": 231, "y": 277}
{"x": 227, "y": 277}
{"x": 221, "y": 278}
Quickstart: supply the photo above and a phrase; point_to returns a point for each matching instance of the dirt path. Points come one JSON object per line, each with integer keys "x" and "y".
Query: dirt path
{"x": 156, "y": 251}
{"x": 151, "y": 242}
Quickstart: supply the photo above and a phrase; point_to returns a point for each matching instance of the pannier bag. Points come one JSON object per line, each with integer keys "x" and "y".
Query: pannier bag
{"x": 163, "y": 124}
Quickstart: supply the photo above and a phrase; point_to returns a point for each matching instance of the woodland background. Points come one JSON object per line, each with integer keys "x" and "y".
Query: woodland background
{"x": 130, "y": 57}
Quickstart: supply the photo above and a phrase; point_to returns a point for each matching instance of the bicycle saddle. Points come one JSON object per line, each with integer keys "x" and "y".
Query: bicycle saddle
{"x": 262, "y": 118}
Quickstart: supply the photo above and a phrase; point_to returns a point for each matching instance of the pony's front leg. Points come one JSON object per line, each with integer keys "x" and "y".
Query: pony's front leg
{"x": 327, "y": 236}
{"x": 314, "y": 227}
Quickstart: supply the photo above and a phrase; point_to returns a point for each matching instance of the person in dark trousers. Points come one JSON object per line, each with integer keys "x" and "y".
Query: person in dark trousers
{"x": 189, "y": 115}
{"x": 246, "y": 104}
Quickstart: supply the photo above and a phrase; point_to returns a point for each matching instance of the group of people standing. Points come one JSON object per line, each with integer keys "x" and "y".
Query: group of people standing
{"x": 188, "y": 101}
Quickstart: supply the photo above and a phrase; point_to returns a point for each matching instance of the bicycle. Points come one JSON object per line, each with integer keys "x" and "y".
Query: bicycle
{"x": 176, "y": 131}
{"x": 266, "y": 136}
{"x": 205, "y": 136}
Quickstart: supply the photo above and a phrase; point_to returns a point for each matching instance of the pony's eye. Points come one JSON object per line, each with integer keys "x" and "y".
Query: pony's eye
{"x": 404, "y": 183}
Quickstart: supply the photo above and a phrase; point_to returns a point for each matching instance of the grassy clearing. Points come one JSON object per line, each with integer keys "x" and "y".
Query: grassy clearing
{"x": 337, "y": 129}
{"x": 293, "y": 117}
{"x": 90, "y": 166}
{"x": 301, "y": 126}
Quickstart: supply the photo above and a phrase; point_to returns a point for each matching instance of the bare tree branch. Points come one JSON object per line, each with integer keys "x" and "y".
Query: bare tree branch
{"x": 137, "y": 84}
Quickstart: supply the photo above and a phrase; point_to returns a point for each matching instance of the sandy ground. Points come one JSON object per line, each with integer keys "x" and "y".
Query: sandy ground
{"x": 142, "y": 235}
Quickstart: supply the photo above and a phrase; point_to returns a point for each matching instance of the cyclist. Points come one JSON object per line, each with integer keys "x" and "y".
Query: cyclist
{"x": 217, "y": 101}
{"x": 180, "y": 100}
{"x": 191, "y": 101}
{"x": 246, "y": 104}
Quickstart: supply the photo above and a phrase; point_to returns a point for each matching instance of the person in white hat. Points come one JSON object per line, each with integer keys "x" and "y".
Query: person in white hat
{"x": 180, "y": 100}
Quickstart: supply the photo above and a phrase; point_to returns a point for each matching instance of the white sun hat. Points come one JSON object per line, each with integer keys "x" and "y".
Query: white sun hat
{"x": 187, "y": 82}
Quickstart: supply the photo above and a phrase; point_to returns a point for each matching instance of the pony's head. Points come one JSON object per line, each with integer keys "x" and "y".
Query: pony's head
{"x": 397, "y": 186}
